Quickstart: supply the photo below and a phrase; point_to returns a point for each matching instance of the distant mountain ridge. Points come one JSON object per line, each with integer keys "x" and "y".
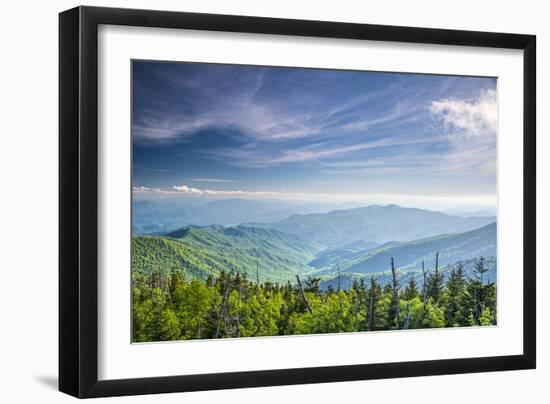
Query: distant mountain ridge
{"x": 164, "y": 215}
{"x": 348, "y": 251}
{"x": 360, "y": 240}
{"x": 202, "y": 251}
{"x": 167, "y": 215}
{"x": 451, "y": 247}
{"x": 375, "y": 223}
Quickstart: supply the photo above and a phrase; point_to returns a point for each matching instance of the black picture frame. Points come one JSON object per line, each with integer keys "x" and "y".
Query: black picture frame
{"x": 78, "y": 201}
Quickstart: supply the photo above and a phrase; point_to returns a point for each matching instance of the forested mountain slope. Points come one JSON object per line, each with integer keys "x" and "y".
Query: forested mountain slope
{"x": 451, "y": 248}
{"x": 203, "y": 251}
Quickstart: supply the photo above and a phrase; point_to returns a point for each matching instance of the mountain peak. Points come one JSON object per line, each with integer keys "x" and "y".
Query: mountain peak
{"x": 376, "y": 223}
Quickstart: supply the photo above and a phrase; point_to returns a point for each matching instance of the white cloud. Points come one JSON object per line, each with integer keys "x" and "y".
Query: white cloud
{"x": 474, "y": 118}
{"x": 187, "y": 190}
{"x": 142, "y": 189}
{"x": 368, "y": 198}
{"x": 184, "y": 189}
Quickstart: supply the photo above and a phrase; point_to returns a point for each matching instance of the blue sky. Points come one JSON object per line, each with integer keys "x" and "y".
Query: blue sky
{"x": 220, "y": 131}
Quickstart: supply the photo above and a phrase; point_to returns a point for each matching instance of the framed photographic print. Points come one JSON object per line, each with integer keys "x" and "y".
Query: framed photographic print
{"x": 250, "y": 201}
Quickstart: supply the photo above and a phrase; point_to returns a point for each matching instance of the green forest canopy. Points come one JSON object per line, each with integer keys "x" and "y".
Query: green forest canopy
{"x": 171, "y": 307}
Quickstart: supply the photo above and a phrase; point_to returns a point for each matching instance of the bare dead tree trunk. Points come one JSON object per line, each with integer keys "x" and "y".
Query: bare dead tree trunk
{"x": 154, "y": 305}
{"x": 339, "y": 295}
{"x": 437, "y": 284}
{"x": 169, "y": 286}
{"x": 161, "y": 288}
{"x": 395, "y": 294}
{"x": 338, "y": 269}
{"x": 152, "y": 291}
{"x": 257, "y": 280}
{"x": 357, "y": 314}
{"x": 308, "y": 306}
{"x": 223, "y": 309}
{"x": 424, "y": 290}
{"x": 475, "y": 307}
{"x": 371, "y": 303}
{"x": 218, "y": 322}
{"x": 357, "y": 309}
{"x": 481, "y": 290}
{"x": 226, "y": 325}
{"x": 239, "y": 311}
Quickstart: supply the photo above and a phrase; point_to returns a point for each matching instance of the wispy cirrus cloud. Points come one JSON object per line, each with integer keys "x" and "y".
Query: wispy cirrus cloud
{"x": 319, "y": 152}
{"x": 167, "y": 128}
{"x": 474, "y": 118}
{"x": 270, "y": 128}
{"x": 476, "y": 160}
{"x": 251, "y": 104}
{"x": 217, "y": 103}
{"x": 214, "y": 180}
{"x": 257, "y": 121}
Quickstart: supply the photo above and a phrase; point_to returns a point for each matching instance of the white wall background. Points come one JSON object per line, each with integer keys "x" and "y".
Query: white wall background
{"x": 28, "y": 203}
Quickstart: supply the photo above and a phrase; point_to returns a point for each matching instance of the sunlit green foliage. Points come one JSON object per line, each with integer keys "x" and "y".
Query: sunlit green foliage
{"x": 173, "y": 307}
{"x": 200, "y": 252}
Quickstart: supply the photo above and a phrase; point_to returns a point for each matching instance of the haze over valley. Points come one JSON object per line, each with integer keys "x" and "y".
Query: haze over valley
{"x": 213, "y": 236}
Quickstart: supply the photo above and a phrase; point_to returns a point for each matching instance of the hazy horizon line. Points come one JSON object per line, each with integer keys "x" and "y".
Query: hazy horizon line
{"x": 384, "y": 198}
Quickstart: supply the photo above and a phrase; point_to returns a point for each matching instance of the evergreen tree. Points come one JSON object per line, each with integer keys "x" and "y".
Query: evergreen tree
{"x": 454, "y": 296}
{"x": 168, "y": 306}
{"x": 393, "y": 314}
{"x": 490, "y": 297}
{"x": 411, "y": 290}
{"x": 312, "y": 284}
{"x": 373, "y": 296}
{"x": 435, "y": 282}
{"x": 168, "y": 326}
{"x": 472, "y": 304}
{"x": 480, "y": 269}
